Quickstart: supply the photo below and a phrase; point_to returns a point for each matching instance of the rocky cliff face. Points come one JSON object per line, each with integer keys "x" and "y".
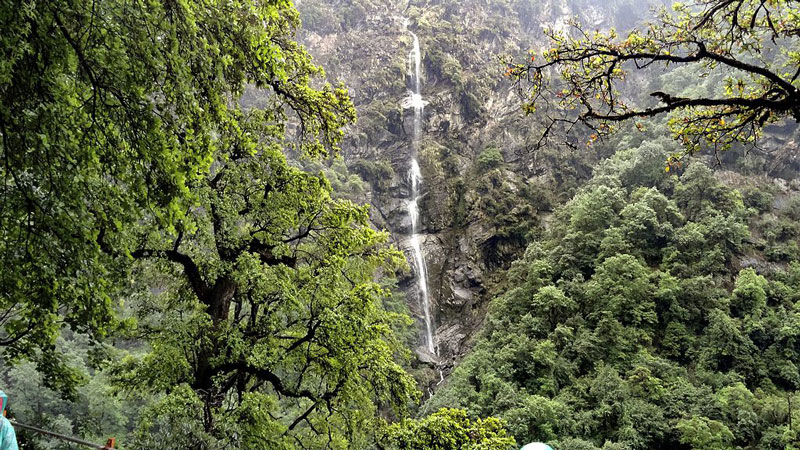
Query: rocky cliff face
{"x": 485, "y": 192}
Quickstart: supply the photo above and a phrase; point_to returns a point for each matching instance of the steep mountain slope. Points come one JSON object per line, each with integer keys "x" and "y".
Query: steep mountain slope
{"x": 660, "y": 311}
{"x": 484, "y": 191}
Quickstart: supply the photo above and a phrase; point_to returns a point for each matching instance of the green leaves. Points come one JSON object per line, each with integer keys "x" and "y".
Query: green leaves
{"x": 280, "y": 330}
{"x": 702, "y": 433}
{"x": 448, "y": 429}
{"x": 112, "y": 114}
{"x": 629, "y": 324}
{"x": 736, "y": 39}
{"x": 143, "y": 148}
{"x": 621, "y": 288}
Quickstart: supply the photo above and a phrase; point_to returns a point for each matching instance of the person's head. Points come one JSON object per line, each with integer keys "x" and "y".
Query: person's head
{"x": 3, "y": 403}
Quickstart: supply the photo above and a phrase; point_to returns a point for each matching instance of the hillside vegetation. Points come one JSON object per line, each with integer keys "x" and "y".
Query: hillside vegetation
{"x": 423, "y": 225}
{"x": 633, "y": 322}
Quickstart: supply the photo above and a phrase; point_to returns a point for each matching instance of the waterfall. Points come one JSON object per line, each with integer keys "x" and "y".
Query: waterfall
{"x": 414, "y": 101}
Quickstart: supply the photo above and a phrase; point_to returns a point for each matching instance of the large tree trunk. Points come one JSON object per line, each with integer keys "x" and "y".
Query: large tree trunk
{"x": 218, "y": 302}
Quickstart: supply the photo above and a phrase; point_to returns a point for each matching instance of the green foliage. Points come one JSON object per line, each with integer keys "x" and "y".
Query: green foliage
{"x": 629, "y": 325}
{"x": 746, "y": 48}
{"x": 145, "y": 156}
{"x": 702, "y": 433}
{"x": 378, "y": 173}
{"x": 95, "y": 413}
{"x": 780, "y": 231}
{"x": 448, "y": 429}
{"x": 444, "y": 66}
{"x": 700, "y": 194}
{"x": 138, "y": 161}
{"x": 499, "y": 202}
{"x": 268, "y": 319}
{"x": 344, "y": 184}
{"x": 759, "y": 199}
{"x": 111, "y": 113}
{"x": 490, "y": 158}
{"x": 471, "y": 107}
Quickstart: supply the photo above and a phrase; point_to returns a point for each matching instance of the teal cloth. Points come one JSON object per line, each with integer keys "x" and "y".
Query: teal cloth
{"x": 8, "y": 439}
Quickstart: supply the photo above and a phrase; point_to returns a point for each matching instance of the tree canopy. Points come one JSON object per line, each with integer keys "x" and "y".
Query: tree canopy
{"x": 447, "y": 429}
{"x": 153, "y": 191}
{"x": 632, "y": 323}
{"x": 111, "y": 112}
{"x": 186, "y": 264}
{"x": 268, "y": 321}
{"x": 750, "y": 44}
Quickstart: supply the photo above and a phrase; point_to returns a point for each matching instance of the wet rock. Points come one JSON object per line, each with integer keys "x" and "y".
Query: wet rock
{"x": 426, "y": 357}
{"x": 466, "y": 285}
{"x": 395, "y": 212}
{"x": 461, "y": 295}
{"x": 451, "y": 340}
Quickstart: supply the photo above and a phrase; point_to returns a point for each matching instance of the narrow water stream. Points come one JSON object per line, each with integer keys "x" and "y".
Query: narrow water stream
{"x": 414, "y": 101}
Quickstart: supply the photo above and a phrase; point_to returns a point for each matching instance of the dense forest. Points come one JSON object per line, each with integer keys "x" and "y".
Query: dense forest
{"x": 363, "y": 224}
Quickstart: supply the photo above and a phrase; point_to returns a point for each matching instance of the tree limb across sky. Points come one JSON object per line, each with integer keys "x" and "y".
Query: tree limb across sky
{"x": 751, "y": 44}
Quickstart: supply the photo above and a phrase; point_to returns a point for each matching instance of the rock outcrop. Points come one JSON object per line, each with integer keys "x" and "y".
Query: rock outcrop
{"x": 484, "y": 190}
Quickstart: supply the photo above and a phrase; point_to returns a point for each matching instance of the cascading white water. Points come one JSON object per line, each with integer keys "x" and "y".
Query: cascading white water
{"x": 415, "y": 101}
{"x": 419, "y": 260}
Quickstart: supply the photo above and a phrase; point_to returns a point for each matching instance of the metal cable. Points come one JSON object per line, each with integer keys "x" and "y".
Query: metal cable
{"x": 61, "y": 436}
